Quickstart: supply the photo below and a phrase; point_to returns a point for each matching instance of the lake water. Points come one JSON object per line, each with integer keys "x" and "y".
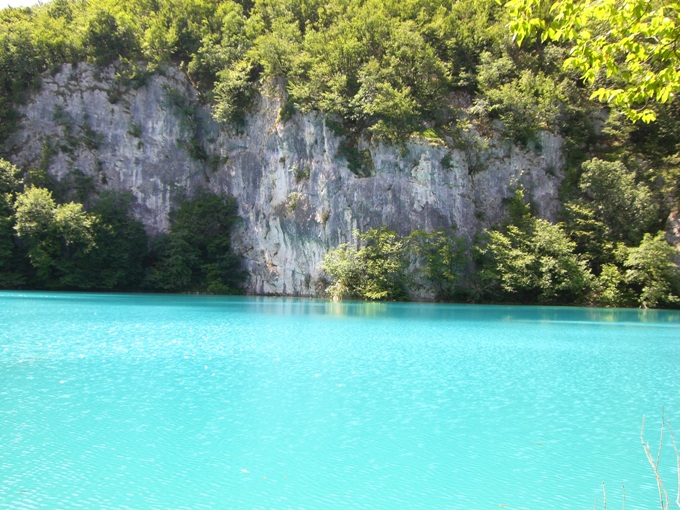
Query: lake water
{"x": 159, "y": 402}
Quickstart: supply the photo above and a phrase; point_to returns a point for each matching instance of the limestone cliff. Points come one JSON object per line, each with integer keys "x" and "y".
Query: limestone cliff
{"x": 296, "y": 194}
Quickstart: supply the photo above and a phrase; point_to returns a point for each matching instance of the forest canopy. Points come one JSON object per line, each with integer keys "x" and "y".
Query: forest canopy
{"x": 387, "y": 68}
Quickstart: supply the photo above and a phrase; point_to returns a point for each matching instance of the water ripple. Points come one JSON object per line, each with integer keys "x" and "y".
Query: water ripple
{"x": 112, "y": 401}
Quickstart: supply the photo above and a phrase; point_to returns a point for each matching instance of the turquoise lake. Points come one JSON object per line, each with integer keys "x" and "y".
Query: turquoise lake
{"x": 188, "y": 402}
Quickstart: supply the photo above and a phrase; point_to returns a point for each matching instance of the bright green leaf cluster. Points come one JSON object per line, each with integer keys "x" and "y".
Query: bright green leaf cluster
{"x": 532, "y": 260}
{"x": 375, "y": 271}
{"x": 627, "y": 49}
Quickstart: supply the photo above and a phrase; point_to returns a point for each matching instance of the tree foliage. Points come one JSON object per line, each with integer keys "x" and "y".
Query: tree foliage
{"x": 532, "y": 260}
{"x": 624, "y": 205}
{"x": 375, "y": 271}
{"x": 196, "y": 254}
{"x": 10, "y": 254}
{"x": 650, "y": 268}
{"x": 56, "y": 236}
{"x": 48, "y": 244}
{"x": 117, "y": 261}
{"x": 390, "y": 267}
{"x": 445, "y": 260}
{"x": 345, "y": 269}
{"x": 526, "y": 100}
{"x": 626, "y": 48}
{"x": 388, "y": 69}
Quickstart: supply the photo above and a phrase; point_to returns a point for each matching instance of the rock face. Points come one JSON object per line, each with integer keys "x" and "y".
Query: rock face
{"x": 297, "y": 196}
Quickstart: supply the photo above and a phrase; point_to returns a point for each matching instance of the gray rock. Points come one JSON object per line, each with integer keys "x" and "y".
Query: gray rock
{"x": 296, "y": 195}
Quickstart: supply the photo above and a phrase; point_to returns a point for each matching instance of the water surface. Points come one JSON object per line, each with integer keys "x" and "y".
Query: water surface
{"x": 138, "y": 401}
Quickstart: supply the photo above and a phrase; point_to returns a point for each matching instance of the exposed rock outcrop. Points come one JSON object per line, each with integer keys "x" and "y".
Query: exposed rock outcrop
{"x": 296, "y": 194}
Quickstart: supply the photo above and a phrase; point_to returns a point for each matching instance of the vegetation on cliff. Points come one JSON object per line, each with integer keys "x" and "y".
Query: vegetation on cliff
{"x": 388, "y": 69}
{"x": 529, "y": 260}
{"x": 47, "y": 242}
{"x": 382, "y": 70}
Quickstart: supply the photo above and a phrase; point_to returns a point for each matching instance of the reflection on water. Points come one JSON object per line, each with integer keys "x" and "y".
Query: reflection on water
{"x": 147, "y": 401}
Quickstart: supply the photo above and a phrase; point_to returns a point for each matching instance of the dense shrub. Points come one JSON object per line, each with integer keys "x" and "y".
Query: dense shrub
{"x": 48, "y": 244}
{"x": 533, "y": 261}
{"x": 374, "y": 271}
{"x": 196, "y": 256}
{"x": 444, "y": 261}
{"x": 388, "y": 267}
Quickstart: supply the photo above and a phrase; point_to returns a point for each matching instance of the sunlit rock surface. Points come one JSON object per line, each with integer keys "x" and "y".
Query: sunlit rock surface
{"x": 296, "y": 195}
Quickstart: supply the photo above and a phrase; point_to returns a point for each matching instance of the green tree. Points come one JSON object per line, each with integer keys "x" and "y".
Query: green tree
{"x": 536, "y": 265}
{"x": 75, "y": 233}
{"x": 174, "y": 265}
{"x": 372, "y": 66}
{"x": 34, "y": 212}
{"x": 196, "y": 254}
{"x": 174, "y": 31}
{"x": 532, "y": 260}
{"x": 375, "y": 271}
{"x": 383, "y": 259}
{"x": 20, "y": 63}
{"x": 220, "y": 48}
{"x": 653, "y": 272}
{"x": 611, "y": 288}
{"x": 56, "y": 236}
{"x": 115, "y": 261}
{"x": 234, "y": 92}
{"x": 632, "y": 43}
{"x": 445, "y": 258}
{"x": 11, "y": 259}
{"x": 345, "y": 270}
{"x": 588, "y": 230}
{"x": 109, "y": 38}
{"x": 526, "y": 104}
{"x": 611, "y": 196}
